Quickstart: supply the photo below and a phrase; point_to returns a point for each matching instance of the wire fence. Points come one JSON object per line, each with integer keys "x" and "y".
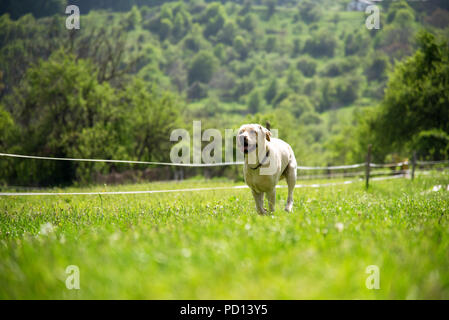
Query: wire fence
{"x": 371, "y": 171}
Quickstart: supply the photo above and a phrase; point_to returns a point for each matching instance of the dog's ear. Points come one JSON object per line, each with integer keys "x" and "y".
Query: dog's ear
{"x": 266, "y": 132}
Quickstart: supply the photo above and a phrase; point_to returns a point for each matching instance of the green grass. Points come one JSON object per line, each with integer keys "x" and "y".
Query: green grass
{"x": 212, "y": 244}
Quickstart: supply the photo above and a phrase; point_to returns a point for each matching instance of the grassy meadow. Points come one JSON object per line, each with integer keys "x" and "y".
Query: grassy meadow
{"x": 212, "y": 244}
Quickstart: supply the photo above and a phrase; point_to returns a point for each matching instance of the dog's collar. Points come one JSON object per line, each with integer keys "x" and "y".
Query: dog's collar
{"x": 261, "y": 163}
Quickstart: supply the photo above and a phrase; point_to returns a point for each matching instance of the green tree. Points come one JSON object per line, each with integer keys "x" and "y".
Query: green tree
{"x": 58, "y": 99}
{"x": 228, "y": 33}
{"x": 321, "y": 44}
{"x": 295, "y": 80}
{"x": 356, "y": 44}
{"x": 133, "y": 19}
{"x": 179, "y": 26}
{"x": 296, "y": 105}
{"x": 296, "y": 47}
{"x": 417, "y": 95}
{"x": 39, "y": 8}
{"x": 396, "y": 38}
{"x": 397, "y": 7}
{"x": 202, "y": 67}
{"x": 214, "y": 18}
{"x": 62, "y": 110}
{"x": 307, "y": 66}
{"x": 165, "y": 29}
{"x": 254, "y": 102}
{"x": 248, "y": 22}
{"x": 377, "y": 68}
{"x": 271, "y": 8}
{"x": 348, "y": 89}
{"x": 271, "y": 91}
{"x": 241, "y": 47}
{"x": 270, "y": 43}
{"x": 194, "y": 41}
{"x": 6, "y": 125}
{"x": 151, "y": 116}
{"x": 431, "y": 144}
{"x": 8, "y": 133}
{"x": 309, "y": 11}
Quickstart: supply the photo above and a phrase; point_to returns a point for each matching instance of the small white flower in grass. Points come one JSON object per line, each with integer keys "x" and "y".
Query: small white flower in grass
{"x": 339, "y": 226}
{"x": 447, "y": 187}
{"x": 247, "y": 226}
{"x": 46, "y": 228}
{"x": 186, "y": 253}
{"x": 436, "y": 188}
{"x": 114, "y": 237}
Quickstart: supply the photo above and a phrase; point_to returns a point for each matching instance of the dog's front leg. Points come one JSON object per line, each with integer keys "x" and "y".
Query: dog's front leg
{"x": 291, "y": 181}
{"x": 272, "y": 199}
{"x": 258, "y": 198}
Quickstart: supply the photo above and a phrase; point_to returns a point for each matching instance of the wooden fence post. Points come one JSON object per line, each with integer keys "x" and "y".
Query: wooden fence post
{"x": 368, "y": 162}
{"x": 413, "y": 164}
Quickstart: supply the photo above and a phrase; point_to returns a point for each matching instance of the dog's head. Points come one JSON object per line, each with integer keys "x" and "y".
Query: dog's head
{"x": 251, "y": 136}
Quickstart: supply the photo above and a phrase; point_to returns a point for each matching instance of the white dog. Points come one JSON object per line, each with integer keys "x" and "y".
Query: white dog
{"x": 267, "y": 160}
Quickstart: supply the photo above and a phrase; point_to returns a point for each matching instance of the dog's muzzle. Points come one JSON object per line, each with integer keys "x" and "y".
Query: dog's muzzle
{"x": 245, "y": 146}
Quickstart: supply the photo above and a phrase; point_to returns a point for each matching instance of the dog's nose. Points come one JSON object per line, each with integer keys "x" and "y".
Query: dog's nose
{"x": 243, "y": 140}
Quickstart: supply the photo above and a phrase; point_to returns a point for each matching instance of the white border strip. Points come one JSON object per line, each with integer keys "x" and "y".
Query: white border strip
{"x": 179, "y": 190}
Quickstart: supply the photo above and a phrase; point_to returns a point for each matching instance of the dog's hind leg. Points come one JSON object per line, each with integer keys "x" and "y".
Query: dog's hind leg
{"x": 272, "y": 199}
{"x": 290, "y": 176}
{"x": 258, "y": 198}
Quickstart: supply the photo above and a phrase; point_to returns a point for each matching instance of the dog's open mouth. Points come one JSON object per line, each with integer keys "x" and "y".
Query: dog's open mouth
{"x": 248, "y": 147}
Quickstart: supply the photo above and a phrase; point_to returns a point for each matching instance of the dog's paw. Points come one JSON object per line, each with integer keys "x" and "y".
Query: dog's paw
{"x": 289, "y": 207}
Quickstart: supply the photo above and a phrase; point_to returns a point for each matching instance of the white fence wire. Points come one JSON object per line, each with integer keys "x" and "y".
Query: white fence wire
{"x": 123, "y": 161}
{"x": 218, "y": 164}
{"x": 392, "y": 174}
{"x": 11, "y": 194}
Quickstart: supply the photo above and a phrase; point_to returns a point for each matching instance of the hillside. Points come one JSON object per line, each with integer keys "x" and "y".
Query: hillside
{"x": 302, "y": 65}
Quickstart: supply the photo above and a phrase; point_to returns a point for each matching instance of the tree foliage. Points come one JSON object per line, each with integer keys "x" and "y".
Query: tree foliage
{"x": 202, "y": 67}
{"x": 62, "y": 110}
{"x": 417, "y": 95}
{"x": 306, "y": 64}
{"x": 38, "y": 8}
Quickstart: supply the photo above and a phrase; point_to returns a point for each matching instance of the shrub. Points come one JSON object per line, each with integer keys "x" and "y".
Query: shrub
{"x": 307, "y": 66}
{"x": 377, "y": 69}
{"x": 254, "y": 102}
{"x": 309, "y": 11}
{"x": 241, "y": 47}
{"x": 297, "y": 105}
{"x": 339, "y": 67}
{"x": 348, "y": 90}
{"x": 202, "y": 67}
{"x": 431, "y": 144}
{"x": 271, "y": 91}
{"x": 356, "y": 44}
{"x": 321, "y": 44}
